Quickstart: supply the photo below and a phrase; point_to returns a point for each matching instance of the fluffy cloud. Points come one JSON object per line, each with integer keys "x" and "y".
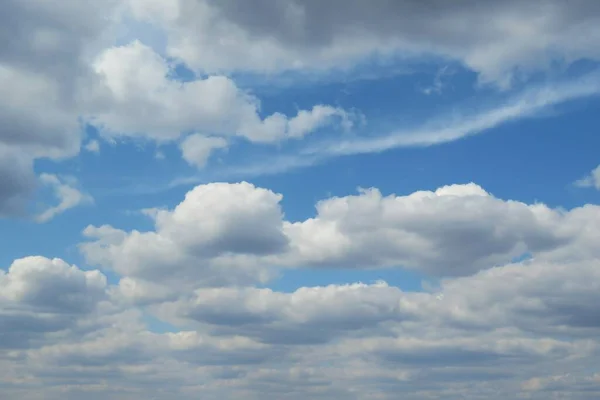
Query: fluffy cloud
{"x": 214, "y": 36}
{"x": 538, "y": 297}
{"x": 453, "y": 231}
{"x": 137, "y": 97}
{"x": 188, "y": 307}
{"x": 40, "y": 298}
{"x": 58, "y": 63}
{"x": 196, "y": 149}
{"x": 216, "y": 236}
{"x": 44, "y": 53}
{"x": 513, "y": 327}
{"x": 182, "y": 309}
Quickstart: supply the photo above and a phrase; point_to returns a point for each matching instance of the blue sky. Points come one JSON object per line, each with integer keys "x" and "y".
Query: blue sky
{"x": 266, "y": 201}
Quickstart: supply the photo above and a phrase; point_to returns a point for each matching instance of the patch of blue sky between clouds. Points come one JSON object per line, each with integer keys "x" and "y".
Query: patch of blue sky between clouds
{"x": 475, "y": 115}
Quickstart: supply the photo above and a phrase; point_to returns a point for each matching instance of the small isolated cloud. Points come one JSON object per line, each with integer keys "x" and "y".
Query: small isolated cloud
{"x": 93, "y": 146}
{"x": 65, "y": 192}
{"x": 438, "y": 84}
{"x": 590, "y": 181}
{"x": 196, "y": 149}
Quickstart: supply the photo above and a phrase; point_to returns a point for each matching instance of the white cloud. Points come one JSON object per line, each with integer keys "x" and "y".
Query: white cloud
{"x": 196, "y": 149}
{"x": 185, "y": 312}
{"x": 66, "y": 193}
{"x": 136, "y": 98}
{"x": 40, "y": 297}
{"x": 592, "y": 180}
{"x": 527, "y": 104}
{"x": 530, "y": 103}
{"x": 507, "y": 330}
{"x": 210, "y": 239}
{"x": 294, "y": 34}
{"x": 93, "y": 146}
{"x": 44, "y": 52}
{"x": 454, "y": 230}
{"x": 240, "y": 228}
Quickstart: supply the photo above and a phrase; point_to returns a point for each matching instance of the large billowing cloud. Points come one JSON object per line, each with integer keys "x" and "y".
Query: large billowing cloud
{"x": 184, "y": 310}
{"x": 59, "y": 64}
{"x": 135, "y": 97}
{"x": 453, "y": 231}
{"x": 60, "y": 61}
{"x": 190, "y": 315}
{"x": 44, "y": 57}
{"x": 512, "y": 327}
{"x": 42, "y": 299}
{"x": 492, "y": 38}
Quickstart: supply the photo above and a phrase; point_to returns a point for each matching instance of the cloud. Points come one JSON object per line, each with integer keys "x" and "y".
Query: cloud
{"x": 43, "y": 60}
{"x": 183, "y": 310}
{"x": 500, "y": 330}
{"x": 196, "y": 149}
{"x": 40, "y": 297}
{"x": 511, "y": 329}
{"x": 527, "y": 104}
{"x": 592, "y": 180}
{"x": 228, "y": 226}
{"x": 66, "y": 193}
{"x": 17, "y": 182}
{"x": 93, "y": 146}
{"x": 135, "y": 97}
{"x": 214, "y": 36}
{"x": 436, "y": 232}
{"x": 444, "y": 128}
{"x": 214, "y": 237}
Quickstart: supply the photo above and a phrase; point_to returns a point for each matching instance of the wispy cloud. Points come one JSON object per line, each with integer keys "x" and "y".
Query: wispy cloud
{"x": 528, "y": 104}
{"x": 592, "y": 180}
{"x": 66, "y": 193}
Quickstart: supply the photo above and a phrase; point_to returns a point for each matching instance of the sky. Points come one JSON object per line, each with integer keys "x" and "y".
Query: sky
{"x": 299, "y": 199}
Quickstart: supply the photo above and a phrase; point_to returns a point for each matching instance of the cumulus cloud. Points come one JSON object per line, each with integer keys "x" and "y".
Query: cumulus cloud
{"x": 182, "y": 309}
{"x": 41, "y": 297}
{"x": 136, "y": 97}
{"x": 504, "y": 331}
{"x": 196, "y": 149}
{"x": 214, "y": 36}
{"x": 216, "y": 236}
{"x": 453, "y": 231}
{"x": 44, "y": 54}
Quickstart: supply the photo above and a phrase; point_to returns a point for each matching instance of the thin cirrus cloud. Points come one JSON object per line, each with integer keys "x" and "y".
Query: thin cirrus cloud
{"x": 443, "y": 129}
{"x": 592, "y": 180}
{"x": 67, "y": 194}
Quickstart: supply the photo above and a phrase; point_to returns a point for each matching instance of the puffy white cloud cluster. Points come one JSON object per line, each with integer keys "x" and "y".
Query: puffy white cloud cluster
{"x": 64, "y": 63}
{"x": 453, "y": 231}
{"x": 62, "y": 68}
{"x": 191, "y": 315}
{"x": 184, "y": 310}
